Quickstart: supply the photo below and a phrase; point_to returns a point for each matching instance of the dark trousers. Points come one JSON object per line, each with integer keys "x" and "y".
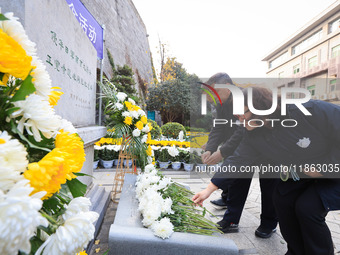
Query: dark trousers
{"x": 237, "y": 197}
{"x": 302, "y": 221}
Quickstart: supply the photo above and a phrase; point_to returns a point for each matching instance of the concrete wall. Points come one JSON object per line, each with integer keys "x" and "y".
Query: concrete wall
{"x": 125, "y": 36}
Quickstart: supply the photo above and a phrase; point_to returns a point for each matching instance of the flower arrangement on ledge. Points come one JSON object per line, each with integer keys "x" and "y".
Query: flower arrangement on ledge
{"x": 166, "y": 206}
{"x": 128, "y": 124}
{"x": 43, "y": 210}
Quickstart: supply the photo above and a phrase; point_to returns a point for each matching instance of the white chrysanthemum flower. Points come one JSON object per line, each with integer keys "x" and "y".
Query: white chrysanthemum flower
{"x": 42, "y": 81}
{"x": 146, "y": 129}
{"x": 14, "y": 29}
{"x": 76, "y": 206}
{"x": 121, "y": 96}
{"x": 71, "y": 237}
{"x": 134, "y": 114}
{"x": 163, "y": 228}
{"x": 119, "y": 106}
{"x": 116, "y": 147}
{"x": 126, "y": 114}
{"x": 148, "y": 168}
{"x": 166, "y": 206}
{"x": 19, "y": 218}
{"x": 149, "y": 160}
{"x": 151, "y": 214}
{"x": 36, "y": 115}
{"x": 141, "y": 112}
{"x": 13, "y": 154}
{"x": 155, "y": 148}
{"x": 98, "y": 148}
{"x": 136, "y": 132}
{"x": 163, "y": 183}
{"x": 131, "y": 101}
{"x": 144, "y": 139}
{"x": 67, "y": 126}
{"x": 173, "y": 151}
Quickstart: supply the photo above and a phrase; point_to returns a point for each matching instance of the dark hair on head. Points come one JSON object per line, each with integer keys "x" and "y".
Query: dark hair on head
{"x": 263, "y": 100}
{"x": 219, "y": 78}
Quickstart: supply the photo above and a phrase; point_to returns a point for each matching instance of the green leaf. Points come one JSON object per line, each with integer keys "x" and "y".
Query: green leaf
{"x": 26, "y": 88}
{"x": 82, "y": 174}
{"x": 1, "y": 74}
{"x": 2, "y": 17}
{"x": 35, "y": 244}
{"x": 11, "y": 110}
{"x": 107, "y": 252}
{"x": 76, "y": 187}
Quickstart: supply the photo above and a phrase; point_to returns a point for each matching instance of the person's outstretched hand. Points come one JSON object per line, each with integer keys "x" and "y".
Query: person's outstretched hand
{"x": 199, "y": 197}
{"x": 214, "y": 158}
{"x": 205, "y": 156}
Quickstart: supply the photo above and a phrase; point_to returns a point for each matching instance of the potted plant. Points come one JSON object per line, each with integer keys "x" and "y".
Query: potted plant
{"x": 95, "y": 158}
{"x": 174, "y": 157}
{"x": 106, "y": 157}
{"x": 163, "y": 158}
{"x": 186, "y": 157}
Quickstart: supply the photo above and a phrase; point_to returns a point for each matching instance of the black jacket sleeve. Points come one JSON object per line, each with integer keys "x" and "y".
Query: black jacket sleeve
{"x": 234, "y": 166}
{"x": 231, "y": 144}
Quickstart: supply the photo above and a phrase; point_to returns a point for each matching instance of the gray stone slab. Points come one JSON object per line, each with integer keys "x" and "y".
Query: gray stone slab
{"x": 128, "y": 236}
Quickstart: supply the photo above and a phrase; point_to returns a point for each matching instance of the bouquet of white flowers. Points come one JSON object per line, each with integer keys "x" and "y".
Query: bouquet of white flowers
{"x": 166, "y": 206}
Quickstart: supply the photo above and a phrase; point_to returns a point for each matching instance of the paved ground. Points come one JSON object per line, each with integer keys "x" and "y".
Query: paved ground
{"x": 247, "y": 242}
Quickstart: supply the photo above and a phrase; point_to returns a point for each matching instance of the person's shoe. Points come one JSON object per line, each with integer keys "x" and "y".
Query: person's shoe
{"x": 227, "y": 227}
{"x": 219, "y": 204}
{"x": 264, "y": 232}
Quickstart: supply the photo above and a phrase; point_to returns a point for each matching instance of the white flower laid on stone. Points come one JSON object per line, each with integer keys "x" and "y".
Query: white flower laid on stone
{"x": 151, "y": 203}
{"x": 136, "y": 132}
{"x": 36, "y": 115}
{"x": 13, "y": 161}
{"x": 121, "y": 96}
{"x": 119, "y": 106}
{"x": 173, "y": 151}
{"x": 163, "y": 228}
{"x": 76, "y": 231}
{"x": 19, "y": 217}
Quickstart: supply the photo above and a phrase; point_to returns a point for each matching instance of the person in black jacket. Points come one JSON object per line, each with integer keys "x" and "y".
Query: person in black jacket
{"x": 309, "y": 154}
{"x": 235, "y": 198}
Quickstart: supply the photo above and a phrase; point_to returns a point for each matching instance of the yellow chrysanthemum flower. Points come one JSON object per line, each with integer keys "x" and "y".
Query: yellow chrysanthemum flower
{"x": 128, "y": 120}
{"x": 149, "y": 137}
{"x": 149, "y": 151}
{"x": 144, "y": 119}
{"x": 135, "y": 107}
{"x": 54, "y": 97}
{"x": 128, "y": 105}
{"x": 13, "y": 58}
{"x": 58, "y": 165}
{"x": 139, "y": 125}
{"x": 150, "y": 126}
{"x": 82, "y": 253}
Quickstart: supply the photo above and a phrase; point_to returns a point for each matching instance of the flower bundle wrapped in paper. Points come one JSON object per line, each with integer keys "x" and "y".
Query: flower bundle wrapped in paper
{"x": 166, "y": 206}
{"x": 42, "y": 210}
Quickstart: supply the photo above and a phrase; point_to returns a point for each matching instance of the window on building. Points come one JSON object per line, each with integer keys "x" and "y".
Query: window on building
{"x": 334, "y": 25}
{"x": 296, "y": 69}
{"x": 279, "y": 60}
{"x": 335, "y": 51}
{"x": 311, "y": 89}
{"x": 281, "y": 74}
{"x": 313, "y": 61}
{"x": 332, "y": 85}
{"x": 307, "y": 42}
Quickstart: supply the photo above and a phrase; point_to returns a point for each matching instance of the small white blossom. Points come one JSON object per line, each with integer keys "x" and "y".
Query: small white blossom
{"x": 126, "y": 114}
{"x": 136, "y": 132}
{"x": 181, "y": 136}
{"x": 145, "y": 138}
{"x": 119, "y": 106}
{"x": 121, "y": 96}
{"x": 141, "y": 112}
{"x": 132, "y": 101}
{"x": 146, "y": 129}
{"x": 134, "y": 114}
{"x": 173, "y": 151}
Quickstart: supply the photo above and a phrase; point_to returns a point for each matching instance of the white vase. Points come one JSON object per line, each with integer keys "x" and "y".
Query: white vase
{"x": 106, "y": 163}
{"x": 117, "y": 162}
{"x": 188, "y": 166}
{"x": 164, "y": 165}
{"x": 95, "y": 164}
{"x": 176, "y": 165}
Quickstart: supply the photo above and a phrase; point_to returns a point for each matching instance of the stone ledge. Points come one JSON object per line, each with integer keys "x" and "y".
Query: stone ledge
{"x": 128, "y": 236}
{"x": 91, "y": 134}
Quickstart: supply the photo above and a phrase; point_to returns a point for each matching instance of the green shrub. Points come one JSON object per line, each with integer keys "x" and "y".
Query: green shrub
{"x": 172, "y": 129}
{"x": 156, "y": 131}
